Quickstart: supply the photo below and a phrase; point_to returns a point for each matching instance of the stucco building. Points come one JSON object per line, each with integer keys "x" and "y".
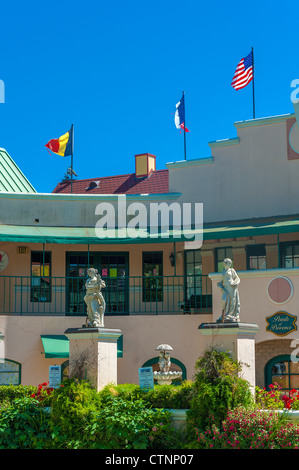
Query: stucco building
{"x": 159, "y": 289}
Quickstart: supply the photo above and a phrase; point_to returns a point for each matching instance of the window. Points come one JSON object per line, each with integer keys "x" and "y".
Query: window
{"x": 256, "y": 257}
{"x": 40, "y": 276}
{"x": 77, "y": 266}
{"x": 114, "y": 270}
{"x": 289, "y": 254}
{"x": 220, "y": 255}
{"x": 193, "y": 280}
{"x": 284, "y": 372}
{"x": 10, "y": 373}
{"x": 152, "y": 277}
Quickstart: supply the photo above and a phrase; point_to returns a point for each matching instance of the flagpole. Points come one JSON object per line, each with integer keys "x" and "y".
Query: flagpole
{"x": 253, "y": 97}
{"x": 72, "y": 132}
{"x": 184, "y": 127}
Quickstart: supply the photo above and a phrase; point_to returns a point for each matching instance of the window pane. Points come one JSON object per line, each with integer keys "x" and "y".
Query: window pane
{"x": 153, "y": 281}
{"x": 280, "y": 368}
{"x": 262, "y": 263}
{"x": 221, "y": 254}
{"x": 294, "y": 381}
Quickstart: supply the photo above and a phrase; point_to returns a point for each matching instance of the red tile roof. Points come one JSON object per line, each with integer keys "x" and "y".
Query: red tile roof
{"x": 156, "y": 182}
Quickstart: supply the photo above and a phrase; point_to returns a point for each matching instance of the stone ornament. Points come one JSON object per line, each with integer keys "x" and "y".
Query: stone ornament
{"x": 165, "y": 376}
{"x": 94, "y": 299}
{"x": 230, "y": 301}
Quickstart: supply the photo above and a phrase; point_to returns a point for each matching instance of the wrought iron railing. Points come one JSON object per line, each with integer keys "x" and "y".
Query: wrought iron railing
{"x": 30, "y": 295}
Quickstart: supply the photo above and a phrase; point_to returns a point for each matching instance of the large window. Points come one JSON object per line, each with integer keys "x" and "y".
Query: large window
{"x": 284, "y": 372}
{"x": 256, "y": 257}
{"x": 152, "y": 276}
{"x": 289, "y": 254}
{"x": 220, "y": 255}
{"x": 40, "y": 276}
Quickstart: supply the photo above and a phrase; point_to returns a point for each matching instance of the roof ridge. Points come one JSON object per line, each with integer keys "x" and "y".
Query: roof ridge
{"x": 113, "y": 176}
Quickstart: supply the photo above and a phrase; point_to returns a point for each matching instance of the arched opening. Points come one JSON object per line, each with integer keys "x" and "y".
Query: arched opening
{"x": 283, "y": 371}
{"x": 10, "y": 372}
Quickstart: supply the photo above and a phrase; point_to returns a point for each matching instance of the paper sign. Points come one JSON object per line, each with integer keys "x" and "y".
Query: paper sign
{"x": 113, "y": 272}
{"x": 146, "y": 377}
{"x": 104, "y": 272}
{"x": 54, "y": 376}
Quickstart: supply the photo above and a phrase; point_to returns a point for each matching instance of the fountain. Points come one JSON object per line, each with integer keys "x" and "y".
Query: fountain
{"x": 165, "y": 376}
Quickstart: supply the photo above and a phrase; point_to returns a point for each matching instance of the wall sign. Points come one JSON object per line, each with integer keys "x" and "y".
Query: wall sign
{"x": 3, "y": 260}
{"x": 54, "y": 376}
{"x": 281, "y": 323}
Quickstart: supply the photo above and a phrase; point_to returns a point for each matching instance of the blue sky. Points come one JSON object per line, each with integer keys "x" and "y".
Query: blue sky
{"x": 116, "y": 70}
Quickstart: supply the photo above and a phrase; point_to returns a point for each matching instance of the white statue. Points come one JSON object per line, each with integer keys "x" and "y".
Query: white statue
{"x": 230, "y": 294}
{"x": 164, "y": 361}
{"x": 94, "y": 299}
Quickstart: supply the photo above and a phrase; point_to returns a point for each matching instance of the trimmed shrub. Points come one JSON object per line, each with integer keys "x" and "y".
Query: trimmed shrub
{"x": 9, "y": 393}
{"x": 161, "y": 396}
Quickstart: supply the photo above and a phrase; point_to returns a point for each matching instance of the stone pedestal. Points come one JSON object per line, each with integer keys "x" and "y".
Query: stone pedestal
{"x": 238, "y": 339}
{"x": 93, "y": 355}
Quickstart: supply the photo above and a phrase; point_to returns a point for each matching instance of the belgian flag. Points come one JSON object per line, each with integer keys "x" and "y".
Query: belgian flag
{"x": 64, "y": 145}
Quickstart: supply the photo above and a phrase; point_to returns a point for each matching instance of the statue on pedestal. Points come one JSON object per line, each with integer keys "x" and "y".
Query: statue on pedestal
{"x": 94, "y": 299}
{"x": 230, "y": 294}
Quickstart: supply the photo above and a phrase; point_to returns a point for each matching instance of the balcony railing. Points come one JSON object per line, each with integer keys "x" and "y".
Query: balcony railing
{"x": 128, "y": 295}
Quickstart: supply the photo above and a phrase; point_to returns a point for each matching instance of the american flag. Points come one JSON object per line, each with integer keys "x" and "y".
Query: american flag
{"x": 244, "y": 72}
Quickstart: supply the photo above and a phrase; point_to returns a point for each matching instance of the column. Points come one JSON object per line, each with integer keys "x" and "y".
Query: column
{"x": 93, "y": 355}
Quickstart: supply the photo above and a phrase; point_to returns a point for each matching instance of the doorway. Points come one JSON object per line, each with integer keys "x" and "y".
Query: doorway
{"x": 114, "y": 270}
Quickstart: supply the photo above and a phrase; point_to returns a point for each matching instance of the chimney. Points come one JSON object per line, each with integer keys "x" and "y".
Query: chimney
{"x": 145, "y": 163}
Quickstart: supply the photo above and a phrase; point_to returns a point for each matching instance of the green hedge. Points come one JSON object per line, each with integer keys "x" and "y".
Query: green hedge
{"x": 161, "y": 396}
{"x": 9, "y": 393}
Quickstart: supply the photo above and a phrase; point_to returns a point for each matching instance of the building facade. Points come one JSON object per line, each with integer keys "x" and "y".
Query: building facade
{"x": 159, "y": 288}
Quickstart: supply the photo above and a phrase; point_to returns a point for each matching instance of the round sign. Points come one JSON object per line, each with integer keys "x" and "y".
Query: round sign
{"x": 3, "y": 260}
{"x": 280, "y": 290}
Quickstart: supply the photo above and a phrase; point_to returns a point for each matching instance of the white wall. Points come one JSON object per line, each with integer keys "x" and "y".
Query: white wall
{"x": 250, "y": 179}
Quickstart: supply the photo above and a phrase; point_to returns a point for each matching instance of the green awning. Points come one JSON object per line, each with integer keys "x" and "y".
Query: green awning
{"x": 87, "y": 235}
{"x": 82, "y": 235}
{"x": 57, "y": 346}
{"x": 270, "y": 226}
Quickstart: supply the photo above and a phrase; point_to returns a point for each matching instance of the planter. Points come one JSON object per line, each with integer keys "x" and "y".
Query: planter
{"x": 292, "y": 415}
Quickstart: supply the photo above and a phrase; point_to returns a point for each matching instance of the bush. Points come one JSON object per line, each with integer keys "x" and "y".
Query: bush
{"x": 23, "y": 424}
{"x": 217, "y": 389}
{"x": 72, "y": 408}
{"x": 161, "y": 396}
{"x": 249, "y": 429}
{"x": 9, "y": 393}
{"x": 129, "y": 424}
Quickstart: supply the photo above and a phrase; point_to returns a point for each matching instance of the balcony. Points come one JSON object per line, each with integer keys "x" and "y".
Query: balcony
{"x": 127, "y": 295}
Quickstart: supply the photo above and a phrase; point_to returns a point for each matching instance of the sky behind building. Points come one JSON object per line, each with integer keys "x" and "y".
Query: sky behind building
{"x": 117, "y": 69}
